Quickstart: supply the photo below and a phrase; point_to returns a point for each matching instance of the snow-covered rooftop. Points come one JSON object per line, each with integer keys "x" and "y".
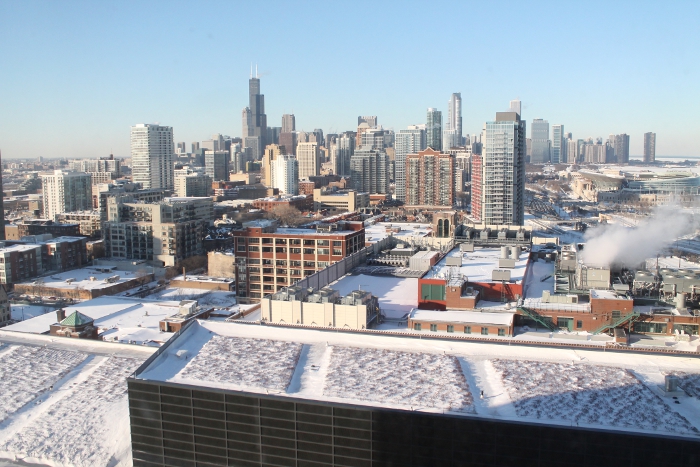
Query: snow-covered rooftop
{"x": 400, "y": 230}
{"x": 65, "y": 407}
{"x": 122, "y": 319}
{"x": 478, "y": 265}
{"x": 593, "y": 389}
{"x": 397, "y": 295}
{"x": 82, "y": 278}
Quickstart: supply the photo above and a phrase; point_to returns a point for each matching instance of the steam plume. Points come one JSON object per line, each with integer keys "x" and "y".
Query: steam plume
{"x": 614, "y": 244}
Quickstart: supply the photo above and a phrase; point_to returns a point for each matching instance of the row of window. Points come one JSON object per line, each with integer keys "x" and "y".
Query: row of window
{"x": 451, "y": 328}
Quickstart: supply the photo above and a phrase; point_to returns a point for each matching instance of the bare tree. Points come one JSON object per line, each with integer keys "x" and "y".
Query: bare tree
{"x": 287, "y": 215}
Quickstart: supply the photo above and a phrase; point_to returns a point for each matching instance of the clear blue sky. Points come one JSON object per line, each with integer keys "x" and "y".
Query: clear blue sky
{"x": 74, "y": 76}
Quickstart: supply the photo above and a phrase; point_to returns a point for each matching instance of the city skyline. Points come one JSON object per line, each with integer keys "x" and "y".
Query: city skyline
{"x": 81, "y": 69}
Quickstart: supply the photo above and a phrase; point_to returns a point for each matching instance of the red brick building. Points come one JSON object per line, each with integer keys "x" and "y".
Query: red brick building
{"x": 269, "y": 258}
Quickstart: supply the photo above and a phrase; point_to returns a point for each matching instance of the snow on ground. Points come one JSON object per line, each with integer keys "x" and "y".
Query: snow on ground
{"x": 587, "y": 395}
{"x": 228, "y": 360}
{"x": 419, "y": 380}
{"x": 688, "y": 382}
{"x": 84, "y": 423}
{"x": 22, "y": 312}
{"x": 27, "y": 372}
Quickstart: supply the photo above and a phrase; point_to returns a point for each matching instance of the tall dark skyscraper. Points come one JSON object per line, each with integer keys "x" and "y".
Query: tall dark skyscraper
{"x": 257, "y": 123}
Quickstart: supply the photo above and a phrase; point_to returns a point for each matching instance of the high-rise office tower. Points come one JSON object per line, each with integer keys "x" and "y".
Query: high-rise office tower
{"x": 433, "y": 129}
{"x": 407, "y": 142}
{"x": 430, "y": 179}
{"x": 272, "y": 152}
{"x": 369, "y": 170}
{"x": 195, "y": 147}
{"x": 370, "y": 120}
{"x": 345, "y": 148}
{"x": 539, "y": 133}
{"x": 66, "y": 192}
{"x": 285, "y": 174}
{"x": 453, "y": 130}
{"x": 558, "y": 145}
{"x": 152, "y": 156}
{"x": 289, "y": 123}
{"x": 515, "y": 106}
{"x": 502, "y": 167}
{"x": 621, "y": 144}
{"x": 572, "y": 151}
{"x": 258, "y": 119}
{"x": 289, "y": 141}
{"x": 649, "y": 147}
{"x": 247, "y": 123}
{"x": 372, "y": 138}
{"x": 309, "y": 160}
{"x": 216, "y": 164}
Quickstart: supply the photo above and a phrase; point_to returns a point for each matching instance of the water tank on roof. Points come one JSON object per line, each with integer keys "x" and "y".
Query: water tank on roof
{"x": 504, "y": 252}
{"x": 671, "y": 383}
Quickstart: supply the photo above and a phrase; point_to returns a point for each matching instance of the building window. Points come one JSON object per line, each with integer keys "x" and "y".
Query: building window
{"x": 450, "y": 328}
{"x": 501, "y": 332}
{"x": 433, "y": 327}
{"x": 579, "y": 324}
{"x": 484, "y": 331}
{"x": 416, "y": 326}
{"x": 467, "y": 329}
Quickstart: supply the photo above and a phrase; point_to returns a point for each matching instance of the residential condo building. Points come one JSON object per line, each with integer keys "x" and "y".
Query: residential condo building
{"x": 152, "y": 156}
{"x": 430, "y": 179}
{"x": 66, "y": 192}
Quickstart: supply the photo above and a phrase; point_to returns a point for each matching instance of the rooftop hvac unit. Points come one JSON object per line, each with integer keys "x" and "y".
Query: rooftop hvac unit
{"x": 520, "y": 236}
{"x": 671, "y": 383}
{"x": 466, "y": 247}
{"x": 499, "y": 275}
{"x": 502, "y": 234}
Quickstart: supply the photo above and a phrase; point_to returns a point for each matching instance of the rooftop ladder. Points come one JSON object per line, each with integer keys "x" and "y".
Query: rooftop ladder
{"x": 543, "y": 320}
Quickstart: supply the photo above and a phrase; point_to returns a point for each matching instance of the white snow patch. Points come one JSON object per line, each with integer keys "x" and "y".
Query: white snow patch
{"x": 587, "y": 395}
{"x": 87, "y": 425}
{"x": 27, "y": 372}
{"x": 418, "y": 380}
{"x": 258, "y": 363}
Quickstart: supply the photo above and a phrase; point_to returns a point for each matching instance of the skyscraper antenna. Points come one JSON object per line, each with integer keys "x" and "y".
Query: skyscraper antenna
{"x": 251, "y": 70}
{"x": 256, "y": 71}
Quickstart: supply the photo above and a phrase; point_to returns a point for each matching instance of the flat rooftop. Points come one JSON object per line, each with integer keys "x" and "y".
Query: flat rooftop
{"x": 554, "y": 386}
{"x": 477, "y": 266}
{"x": 405, "y": 231}
{"x": 397, "y": 295}
{"x": 466, "y": 317}
{"x": 120, "y": 319}
{"x": 82, "y": 278}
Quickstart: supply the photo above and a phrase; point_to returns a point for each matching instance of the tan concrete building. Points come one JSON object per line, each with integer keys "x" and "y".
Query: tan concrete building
{"x": 348, "y": 200}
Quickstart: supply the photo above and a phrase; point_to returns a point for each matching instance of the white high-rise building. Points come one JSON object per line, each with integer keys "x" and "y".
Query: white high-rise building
{"x": 66, "y": 192}
{"x": 152, "y": 155}
{"x": 285, "y": 174}
{"x": 309, "y": 160}
{"x": 407, "y": 142}
{"x": 558, "y": 145}
{"x": 502, "y": 173}
{"x": 344, "y": 149}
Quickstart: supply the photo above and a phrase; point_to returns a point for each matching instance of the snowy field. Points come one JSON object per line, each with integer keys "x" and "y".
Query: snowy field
{"x": 227, "y": 360}
{"x": 689, "y": 382}
{"x": 85, "y": 423}
{"x": 27, "y": 372}
{"x": 587, "y": 395}
{"x": 419, "y": 380}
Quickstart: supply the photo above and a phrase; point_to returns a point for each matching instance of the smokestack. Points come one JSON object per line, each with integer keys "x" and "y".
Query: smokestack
{"x": 60, "y": 314}
{"x": 184, "y": 274}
